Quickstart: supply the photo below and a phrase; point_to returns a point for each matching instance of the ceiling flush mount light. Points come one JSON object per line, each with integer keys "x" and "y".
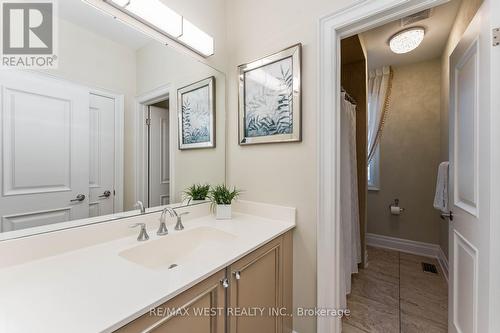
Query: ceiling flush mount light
{"x": 156, "y": 15}
{"x": 406, "y": 40}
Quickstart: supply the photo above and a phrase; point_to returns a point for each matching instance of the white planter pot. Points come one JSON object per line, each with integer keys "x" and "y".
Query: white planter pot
{"x": 194, "y": 202}
{"x": 223, "y": 212}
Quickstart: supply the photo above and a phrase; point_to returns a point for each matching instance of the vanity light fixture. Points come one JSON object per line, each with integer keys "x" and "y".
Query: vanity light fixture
{"x": 156, "y": 15}
{"x": 153, "y": 13}
{"x": 197, "y": 39}
{"x": 121, "y": 3}
{"x": 406, "y": 40}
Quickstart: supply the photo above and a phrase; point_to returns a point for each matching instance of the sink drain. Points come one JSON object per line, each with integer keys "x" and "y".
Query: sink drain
{"x": 172, "y": 266}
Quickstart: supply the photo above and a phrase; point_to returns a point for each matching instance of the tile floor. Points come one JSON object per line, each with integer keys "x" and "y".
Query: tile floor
{"x": 394, "y": 295}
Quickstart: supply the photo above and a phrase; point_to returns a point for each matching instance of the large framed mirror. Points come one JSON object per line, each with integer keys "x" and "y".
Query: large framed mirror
{"x": 122, "y": 119}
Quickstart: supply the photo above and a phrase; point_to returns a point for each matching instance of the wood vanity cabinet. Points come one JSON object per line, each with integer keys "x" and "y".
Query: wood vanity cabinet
{"x": 205, "y": 295}
{"x": 260, "y": 280}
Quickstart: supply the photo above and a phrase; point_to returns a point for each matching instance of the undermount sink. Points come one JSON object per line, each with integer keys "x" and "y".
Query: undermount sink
{"x": 175, "y": 248}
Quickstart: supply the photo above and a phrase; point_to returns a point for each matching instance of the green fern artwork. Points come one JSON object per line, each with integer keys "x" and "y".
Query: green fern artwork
{"x": 269, "y": 99}
{"x": 196, "y": 116}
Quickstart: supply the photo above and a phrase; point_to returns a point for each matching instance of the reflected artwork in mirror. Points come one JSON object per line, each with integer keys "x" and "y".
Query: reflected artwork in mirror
{"x": 196, "y": 108}
{"x": 83, "y": 141}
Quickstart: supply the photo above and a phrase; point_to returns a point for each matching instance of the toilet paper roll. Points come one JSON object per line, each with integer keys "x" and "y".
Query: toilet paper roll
{"x": 395, "y": 210}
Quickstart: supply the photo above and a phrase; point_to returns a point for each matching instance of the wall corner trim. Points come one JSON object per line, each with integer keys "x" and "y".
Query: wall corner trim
{"x": 410, "y": 246}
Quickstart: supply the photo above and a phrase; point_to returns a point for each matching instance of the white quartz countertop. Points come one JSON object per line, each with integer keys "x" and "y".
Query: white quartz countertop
{"x": 94, "y": 289}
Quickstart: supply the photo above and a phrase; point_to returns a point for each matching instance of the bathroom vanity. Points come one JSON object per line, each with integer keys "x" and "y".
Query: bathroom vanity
{"x": 118, "y": 284}
{"x": 252, "y": 294}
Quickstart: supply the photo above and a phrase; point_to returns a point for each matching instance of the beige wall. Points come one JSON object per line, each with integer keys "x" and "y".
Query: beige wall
{"x": 158, "y": 65}
{"x": 280, "y": 173}
{"x": 409, "y": 156}
{"x": 466, "y": 12}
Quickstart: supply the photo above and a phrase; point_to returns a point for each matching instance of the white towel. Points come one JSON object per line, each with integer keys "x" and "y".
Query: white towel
{"x": 441, "y": 197}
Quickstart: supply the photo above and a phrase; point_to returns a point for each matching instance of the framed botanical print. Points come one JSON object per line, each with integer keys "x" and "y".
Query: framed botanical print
{"x": 270, "y": 98}
{"x": 196, "y": 114}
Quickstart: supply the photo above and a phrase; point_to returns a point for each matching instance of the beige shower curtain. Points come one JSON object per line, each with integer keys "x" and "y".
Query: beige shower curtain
{"x": 350, "y": 243}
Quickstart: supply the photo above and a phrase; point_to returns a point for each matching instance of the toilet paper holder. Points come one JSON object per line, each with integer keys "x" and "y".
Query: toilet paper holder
{"x": 396, "y": 204}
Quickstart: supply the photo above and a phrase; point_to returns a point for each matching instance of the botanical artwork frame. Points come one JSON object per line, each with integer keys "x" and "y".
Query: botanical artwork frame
{"x": 270, "y": 95}
{"x": 196, "y": 115}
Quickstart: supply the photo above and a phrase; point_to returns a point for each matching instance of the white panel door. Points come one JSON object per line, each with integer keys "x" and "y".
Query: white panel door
{"x": 470, "y": 115}
{"x": 102, "y": 154}
{"x": 44, "y": 147}
{"x": 159, "y": 157}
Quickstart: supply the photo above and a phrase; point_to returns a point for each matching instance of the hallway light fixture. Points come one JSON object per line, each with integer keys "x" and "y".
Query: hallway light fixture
{"x": 156, "y": 15}
{"x": 406, "y": 40}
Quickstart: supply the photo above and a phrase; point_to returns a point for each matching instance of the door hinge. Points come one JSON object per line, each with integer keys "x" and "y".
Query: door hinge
{"x": 148, "y": 122}
{"x": 496, "y": 37}
{"x": 447, "y": 215}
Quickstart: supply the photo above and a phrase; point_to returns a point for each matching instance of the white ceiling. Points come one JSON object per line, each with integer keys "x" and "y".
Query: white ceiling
{"x": 85, "y": 16}
{"x": 437, "y": 29}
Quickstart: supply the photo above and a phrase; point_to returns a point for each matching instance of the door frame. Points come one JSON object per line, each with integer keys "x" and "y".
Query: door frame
{"x": 141, "y": 106}
{"x": 495, "y": 178}
{"x": 351, "y": 20}
{"x": 119, "y": 145}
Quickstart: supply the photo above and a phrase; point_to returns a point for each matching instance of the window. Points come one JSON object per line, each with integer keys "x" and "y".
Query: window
{"x": 374, "y": 171}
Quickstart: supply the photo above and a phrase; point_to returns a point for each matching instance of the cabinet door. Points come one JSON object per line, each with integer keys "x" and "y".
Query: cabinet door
{"x": 262, "y": 282}
{"x": 209, "y": 294}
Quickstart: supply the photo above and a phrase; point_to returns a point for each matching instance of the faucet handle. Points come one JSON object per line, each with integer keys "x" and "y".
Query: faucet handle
{"x": 143, "y": 234}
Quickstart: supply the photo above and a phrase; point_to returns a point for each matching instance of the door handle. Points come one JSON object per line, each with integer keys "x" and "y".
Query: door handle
{"x": 106, "y": 194}
{"x": 447, "y": 215}
{"x": 79, "y": 197}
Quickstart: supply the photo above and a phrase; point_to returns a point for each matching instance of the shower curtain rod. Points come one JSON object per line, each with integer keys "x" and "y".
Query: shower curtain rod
{"x": 349, "y": 97}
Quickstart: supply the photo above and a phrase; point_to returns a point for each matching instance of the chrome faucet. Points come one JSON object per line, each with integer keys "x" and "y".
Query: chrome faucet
{"x": 178, "y": 225}
{"x": 143, "y": 234}
{"x": 162, "y": 230}
{"x": 173, "y": 213}
{"x": 140, "y": 205}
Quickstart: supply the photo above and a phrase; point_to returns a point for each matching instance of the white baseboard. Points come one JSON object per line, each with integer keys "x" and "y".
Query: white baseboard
{"x": 409, "y": 246}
